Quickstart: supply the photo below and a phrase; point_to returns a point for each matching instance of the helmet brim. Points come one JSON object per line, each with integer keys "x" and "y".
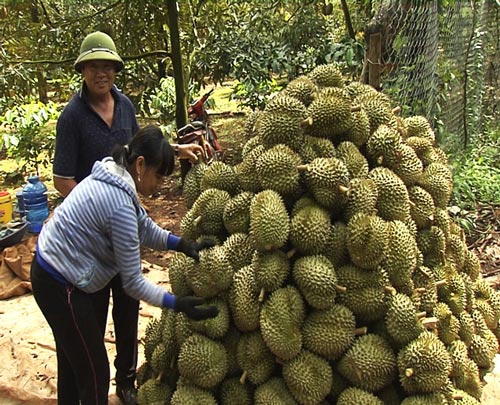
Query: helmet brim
{"x": 106, "y": 55}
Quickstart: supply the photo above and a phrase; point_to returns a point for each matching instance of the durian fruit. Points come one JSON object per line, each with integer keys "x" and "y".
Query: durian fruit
{"x": 202, "y": 361}
{"x": 179, "y": 266}
{"x": 449, "y": 325}
{"x": 424, "y": 399}
{"x": 330, "y": 113}
{"x": 369, "y": 364}
{"x": 359, "y": 132}
{"x": 315, "y": 147}
{"x": 236, "y": 213}
{"x": 269, "y": 221}
{"x": 221, "y": 176}
{"x": 424, "y": 365}
{"x": 418, "y": 125}
{"x": 244, "y": 300}
{"x": 356, "y": 163}
{"x": 357, "y": 396}
{"x": 330, "y": 332}
{"x": 310, "y": 229}
{"x": 276, "y": 169}
{"x": 437, "y": 180}
{"x": 327, "y": 180}
{"x": 408, "y": 166}
{"x": 255, "y": 359}
{"x": 421, "y": 207}
{"x": 189, "y": 394}
{"x": 273, "y": 391}
{"x": 308, "y": 377}
{"x": 384, "y": 146}
{"x": 233, "y": 392}
{"x": 281, "y": 319}
{"x": 316, "y": 279}
{"x": 328, "y": 75}
{"x": 378, "y": 108}
{"x": 251, "y": 144}
{"x": 271, "y": 270}
{"x": 153, "y": 392}
{"x": 217, "y": 327}
{"x": 366, "y": 240}
{"x": 245, "y": 170}
{"x": 239, "y": 249}
{"x": 207, "y": 212}
{"x": 191, "y": 187}
{"x": 362, "y": 195}
{"x": 302, "y": 88}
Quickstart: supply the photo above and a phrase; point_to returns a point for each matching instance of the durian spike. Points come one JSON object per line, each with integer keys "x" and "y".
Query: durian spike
{"x": 243, "y": 377}
{"x": 343, "y": 189}
{"x": 420, "y": 290}
{"x": 441, "y": 283}
{"x": 340, "y": 288}
{"x": 355, "y": 108}
{"x": 430, "y": 323}
{"x": 306, "y": 122}
{"x": 421, "y": 315}
{"x": 361, "y": 331}
{"x": 409, "y": 372}
{"x": 389, "y": 289}
{"x": 396, "y": 110}
{"x": 261, "y": 295}
{"x": 291, "y": 253}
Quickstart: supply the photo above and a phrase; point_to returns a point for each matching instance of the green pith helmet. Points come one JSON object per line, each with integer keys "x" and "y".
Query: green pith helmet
{"x": 98, "y": 46}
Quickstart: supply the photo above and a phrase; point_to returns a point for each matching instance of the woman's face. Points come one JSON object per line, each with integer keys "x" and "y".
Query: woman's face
{"x": 99, "y": 75}
{"x": 148, "y": 180}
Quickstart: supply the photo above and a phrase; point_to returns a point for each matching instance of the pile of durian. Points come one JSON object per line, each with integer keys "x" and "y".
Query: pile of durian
{"x": 339, "y": 276}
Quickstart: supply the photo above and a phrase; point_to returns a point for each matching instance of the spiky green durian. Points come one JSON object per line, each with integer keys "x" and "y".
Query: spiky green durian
{"x": 269, "y": 221}
{"x": 367, "y": 237}
{"x": 357, "y": 396}
{"x": 437, "y": 180}
{"x": 401, "y": 320}
{"x": 310, "y": 229}
{"x": 302, "y": 88}
{"x": 191, "y": 187}
{"x": 378, "y": 107}
{"x": 254, "y": 358}
{"x": 202, "y": 361}
{"x": 281, "y": 318}
{"x": 408, "y": 166}
{"x": 393, "y": 201}
{"x": 274, "y": 391}
{"x": 308, "y": 377}
{"x": 275, "y": 127}
{"x": 208, "y": 210}
{"x": 384, "y": 145}
{"x": 244, "y": 300}
{"x": 356, "y": 163}
{"x": 245, "y": 170}
{"x": 222, "y": 176}
{"x": 337, "y": 251}
{"x": 277, "y": 170}
{"x": 330, "y": 332}
{"x": 179, "y": 265}
{"x": 216, "y": 327}
{"x": 327, "y": 180}
{"x": 315, "y": 147}
{"x": 249, "y": 128}
{"x": 236, "y": 213}
{"x": 154, "y": 392}
{"x": 424, "y": 364}
{"x": 361, "y": 198}
{"x": 239, "y": 248}
{"x": 369, "y": 364}
{"x": 189, "y": 394}
{"x": 233, "y": 392}
{"x": 328, "y": 75}
{"x": 421, "y": 206}
{"x": 359, "y": 133}
{"x": 418, "y": 125}
{"x": 271, "y": 270}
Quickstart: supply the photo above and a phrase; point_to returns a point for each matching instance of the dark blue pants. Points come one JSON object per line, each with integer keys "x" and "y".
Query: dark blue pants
{"x": 82, "y": 360}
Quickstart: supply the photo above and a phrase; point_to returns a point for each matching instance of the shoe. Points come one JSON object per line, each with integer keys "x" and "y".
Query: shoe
{"x": 127, "y": 395}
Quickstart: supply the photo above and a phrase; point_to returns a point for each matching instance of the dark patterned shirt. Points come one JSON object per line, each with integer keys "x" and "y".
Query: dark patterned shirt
{"x": 82, "y": 136}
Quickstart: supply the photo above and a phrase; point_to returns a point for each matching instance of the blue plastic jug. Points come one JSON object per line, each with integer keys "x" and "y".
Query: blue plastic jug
{"x": 36, "y": 204}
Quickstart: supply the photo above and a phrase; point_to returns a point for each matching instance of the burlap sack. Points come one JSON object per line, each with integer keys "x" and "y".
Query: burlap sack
{"x": 15, "y": 269}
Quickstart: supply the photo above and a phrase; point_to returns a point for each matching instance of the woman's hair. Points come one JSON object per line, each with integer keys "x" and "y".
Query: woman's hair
{"x": 150, "y": 143}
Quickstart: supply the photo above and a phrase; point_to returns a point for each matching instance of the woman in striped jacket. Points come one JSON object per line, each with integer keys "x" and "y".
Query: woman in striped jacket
{"x": 95, "y": 234}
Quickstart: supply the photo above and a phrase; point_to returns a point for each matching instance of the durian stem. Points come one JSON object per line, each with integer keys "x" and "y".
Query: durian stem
{"x": 430, "y": 323}
{"x": 355, "y": 108}
{"x": 160, "y": 376}
{"x": 420, "y": 290}
{"x": 380, "y": 160}
{"x": 197, "y": 220}
{"x": 441, "y": 283}
{"x": 412, "y": 204}
{"x": 340, "y": 288}
{"x": 457, "y": 396}
{"x": 307, "y": 122}
{"x": 390, "y": 290}
{"x": 421, "y": 315}
{"x": 343, "y": 189}
{"x": 361, "y": 331}
{"x": 243, "y": 377}
{"x": 302, "y": 168}
{"x": 396, "y": 110}
{"x": 431, "y": 217}
{"x": 291, "y": 253}
{"x": 261, "y": 295}
{"x": 409, "y": 372}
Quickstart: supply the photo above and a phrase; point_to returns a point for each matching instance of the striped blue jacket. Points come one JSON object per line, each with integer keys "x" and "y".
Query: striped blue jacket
{"x": 97, "y": 233}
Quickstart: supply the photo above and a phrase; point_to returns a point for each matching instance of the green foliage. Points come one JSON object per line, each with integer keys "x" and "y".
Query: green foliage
{"x": 28, "y": 134}
{"x": 476, "y": 173}
{"x": 160, "y": 103}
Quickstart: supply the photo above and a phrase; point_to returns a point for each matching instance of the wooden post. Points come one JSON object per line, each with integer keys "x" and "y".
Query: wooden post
{"x": 375, "y": 60}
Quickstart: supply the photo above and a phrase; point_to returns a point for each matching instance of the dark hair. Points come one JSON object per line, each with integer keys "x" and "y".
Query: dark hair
{"x": 150, "y": 143}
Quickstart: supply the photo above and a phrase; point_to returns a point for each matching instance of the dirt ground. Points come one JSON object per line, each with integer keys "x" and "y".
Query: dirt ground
{"x": 28, "y": 361}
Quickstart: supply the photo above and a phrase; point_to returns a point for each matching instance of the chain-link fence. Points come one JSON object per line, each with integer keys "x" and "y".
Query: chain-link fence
{"x": 443, "y": 62}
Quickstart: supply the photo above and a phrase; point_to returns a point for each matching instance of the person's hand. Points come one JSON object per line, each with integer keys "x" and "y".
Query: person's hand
{"x": 191, "y": 307}
{"x": 191, "y": 151}
{"x": 192, "y": 248}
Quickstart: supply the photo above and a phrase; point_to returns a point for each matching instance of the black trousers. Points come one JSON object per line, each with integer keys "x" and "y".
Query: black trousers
{"x": 82, "y": 360}
{"x": 125, "y": 318}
